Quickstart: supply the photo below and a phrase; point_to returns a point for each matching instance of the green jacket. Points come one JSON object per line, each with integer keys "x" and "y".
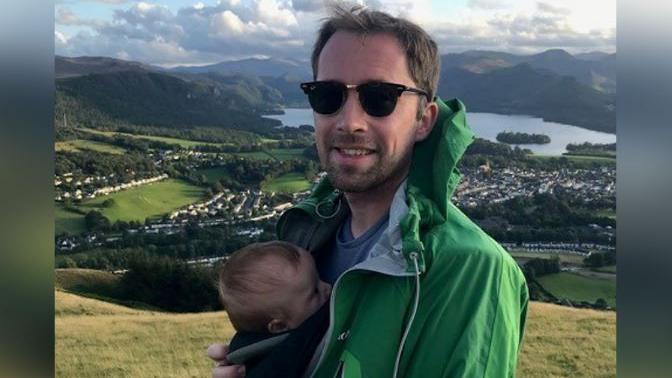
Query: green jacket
{"x": 463, "y": 311}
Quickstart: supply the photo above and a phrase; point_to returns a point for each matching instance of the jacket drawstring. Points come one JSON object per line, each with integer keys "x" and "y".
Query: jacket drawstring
{"x": 414, "y": 257}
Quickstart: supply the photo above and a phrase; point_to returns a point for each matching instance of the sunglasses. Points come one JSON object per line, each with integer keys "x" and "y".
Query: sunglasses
{"x": 378, "y": 99}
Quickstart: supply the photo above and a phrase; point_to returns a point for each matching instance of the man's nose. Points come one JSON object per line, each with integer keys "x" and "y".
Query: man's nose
{"x": 352, "y": 118}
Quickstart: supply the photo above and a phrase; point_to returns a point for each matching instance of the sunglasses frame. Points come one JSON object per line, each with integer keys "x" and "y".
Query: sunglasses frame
{"x": 310, "y": 86}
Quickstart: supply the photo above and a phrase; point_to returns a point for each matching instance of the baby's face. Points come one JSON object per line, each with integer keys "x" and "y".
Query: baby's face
{"x": 301, "y": 293}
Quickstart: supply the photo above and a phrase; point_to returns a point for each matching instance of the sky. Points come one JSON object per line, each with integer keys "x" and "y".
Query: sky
{"x": 187, "y": 32}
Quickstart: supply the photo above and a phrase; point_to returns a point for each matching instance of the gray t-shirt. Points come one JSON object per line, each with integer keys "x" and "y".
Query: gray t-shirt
{"x": 347, "y": 251}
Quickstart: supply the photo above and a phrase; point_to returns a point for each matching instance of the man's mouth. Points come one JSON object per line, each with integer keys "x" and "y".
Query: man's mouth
{"x": 354, "y": 151}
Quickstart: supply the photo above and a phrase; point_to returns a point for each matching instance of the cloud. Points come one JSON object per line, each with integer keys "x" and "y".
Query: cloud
{"x": 207, "y": 32}
{"x": 487, "y": 4}
{"x": 552, "y": 9}
{"x": 307, "y": 5}
{"x": 60, "y": 39}
{"x": 65, "y": 16}
{"x": 547, "y": 26}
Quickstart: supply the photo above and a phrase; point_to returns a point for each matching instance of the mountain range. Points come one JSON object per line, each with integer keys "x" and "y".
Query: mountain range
{"x": 555, "y": 85}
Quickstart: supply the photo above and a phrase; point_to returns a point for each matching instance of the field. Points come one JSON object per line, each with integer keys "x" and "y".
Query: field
{"x": 288, "y": 183}
{"x": 82, "y": 144}
{"x": 95, "y": 338}
{"x": 276, "y": 153}
{"x": 67, "y": 221}
{"x": 564, "y": 258}
{"x": 138, "y": 203}
{"x": 579, "y": 287}
{"x": 566, "y": 342}
{"x": 182, "y": 142}
{"x": 213, "y": 174}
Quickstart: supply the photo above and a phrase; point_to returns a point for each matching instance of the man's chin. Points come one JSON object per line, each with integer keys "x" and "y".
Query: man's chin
{"x": 349, "y": 183}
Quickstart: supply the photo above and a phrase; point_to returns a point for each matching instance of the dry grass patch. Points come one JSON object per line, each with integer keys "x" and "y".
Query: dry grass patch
{"x": 96, "y": 339}
{"x": 567, "y": 342}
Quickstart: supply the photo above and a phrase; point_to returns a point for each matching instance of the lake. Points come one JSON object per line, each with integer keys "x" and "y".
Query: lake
{"x": 488, "y": 125}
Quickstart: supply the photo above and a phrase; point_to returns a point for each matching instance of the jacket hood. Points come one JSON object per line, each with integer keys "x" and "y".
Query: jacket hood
{"x": 440, "y": 152}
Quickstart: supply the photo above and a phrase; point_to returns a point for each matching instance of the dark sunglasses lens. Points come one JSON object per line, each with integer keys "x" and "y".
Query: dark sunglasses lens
{"x": 378, "y": 99}
{"x": 326, "y": 98}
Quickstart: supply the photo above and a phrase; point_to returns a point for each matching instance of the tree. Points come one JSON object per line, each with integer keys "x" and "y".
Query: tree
{"x": 95, "y": 221}
{"x": 108, "y": 202}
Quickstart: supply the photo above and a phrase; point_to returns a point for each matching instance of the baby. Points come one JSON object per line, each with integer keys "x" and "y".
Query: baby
{"x": 269, "y": 289}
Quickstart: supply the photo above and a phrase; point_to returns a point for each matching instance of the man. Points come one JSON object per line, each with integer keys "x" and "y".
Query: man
{"x": 424, "y": 292}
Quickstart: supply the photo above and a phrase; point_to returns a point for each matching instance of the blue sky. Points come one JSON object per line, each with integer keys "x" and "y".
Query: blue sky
{"x": 173, "y": 32}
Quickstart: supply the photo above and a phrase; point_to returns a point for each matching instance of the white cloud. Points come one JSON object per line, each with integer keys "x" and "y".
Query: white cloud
{"x": 227, "y": 22}
{"x": 206, "y": 32}
{"x": 59, "y": 38}
{"x": 488, "y": 4}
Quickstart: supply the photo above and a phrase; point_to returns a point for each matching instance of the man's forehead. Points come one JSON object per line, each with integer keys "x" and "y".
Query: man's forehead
{"x": 355, "y": 58}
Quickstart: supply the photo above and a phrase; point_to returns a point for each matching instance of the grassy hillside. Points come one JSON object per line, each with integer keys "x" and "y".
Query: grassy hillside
{"x": 83, "y": 144}
{"x": 146, "y": 200}
{"x": 566, "y": 342}
{"x": 68, "y": 221}
{"x": 580, "y": 287}
{"x": 88, "y": 281}
{"x": 95, "y": 338}
{"x": 288, "y": 183}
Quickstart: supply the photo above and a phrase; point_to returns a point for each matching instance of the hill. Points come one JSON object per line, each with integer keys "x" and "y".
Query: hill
{"x": 85, "y": 65}
{"x": 554, "y": 85}
{"x": 95, "y": 338}
{"x": 522, "y": 89}
{"x": 596, "y": 70}
{"x": 157, "y": 99}
{"x": 258, "y": 67}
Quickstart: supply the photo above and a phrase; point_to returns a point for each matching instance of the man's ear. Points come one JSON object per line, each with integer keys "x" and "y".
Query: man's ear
{"x": 426, "y": 123}
{"x": 277, "y": 326}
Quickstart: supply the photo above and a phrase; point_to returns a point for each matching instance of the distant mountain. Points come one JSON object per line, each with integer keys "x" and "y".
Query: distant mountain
{"x": 73, "y": 67}
{"x": 522, "y": 89}
{"x": 555, "y": 85}
{"x": 158, "y": 99}
{"x": 257, "y": 67}
{"x": 596, "y": 70}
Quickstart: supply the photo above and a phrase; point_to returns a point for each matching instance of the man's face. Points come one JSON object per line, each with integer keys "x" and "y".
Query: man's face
{"x": 361, "y": 152}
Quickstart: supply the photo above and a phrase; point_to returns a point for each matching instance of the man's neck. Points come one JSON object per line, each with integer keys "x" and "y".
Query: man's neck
{"x": 368, "y": 207}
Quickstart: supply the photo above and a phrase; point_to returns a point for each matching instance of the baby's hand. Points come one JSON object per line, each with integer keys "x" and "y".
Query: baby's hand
{"x": 223, "y": 369}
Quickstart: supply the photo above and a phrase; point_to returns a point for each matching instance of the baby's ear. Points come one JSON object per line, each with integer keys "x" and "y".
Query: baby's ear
{"x": 277, "y": 326}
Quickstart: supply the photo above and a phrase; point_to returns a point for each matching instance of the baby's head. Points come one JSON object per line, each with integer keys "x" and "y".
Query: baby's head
{"x": 271, "y": 287}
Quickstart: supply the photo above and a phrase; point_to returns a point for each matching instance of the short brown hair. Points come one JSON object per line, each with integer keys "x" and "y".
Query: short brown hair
{"x": 422, "y": 54}
{"x": 241, "y": 276}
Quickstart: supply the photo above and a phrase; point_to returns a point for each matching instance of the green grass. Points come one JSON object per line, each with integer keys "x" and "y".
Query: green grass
{"x": 275, "y": 153}
{"x": 609, "y": 213}
{"x": 95, "y": 338}
{"x": 79, "y": 145}
{"x": 182, "y": 142}
{"x": 67, "y": 221}
{"x": 88, "y": 281}
{"x": 256, "y": 155}
{"x": 149, "y": 200}
{"x": 606, "y": 269}
{"x": 213, "y": 174}
{"x": 580, "y": 288}
{"x": 288, "y": 153}
{"x": 564, "y": 258}
{"x": 287, "y": 183}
